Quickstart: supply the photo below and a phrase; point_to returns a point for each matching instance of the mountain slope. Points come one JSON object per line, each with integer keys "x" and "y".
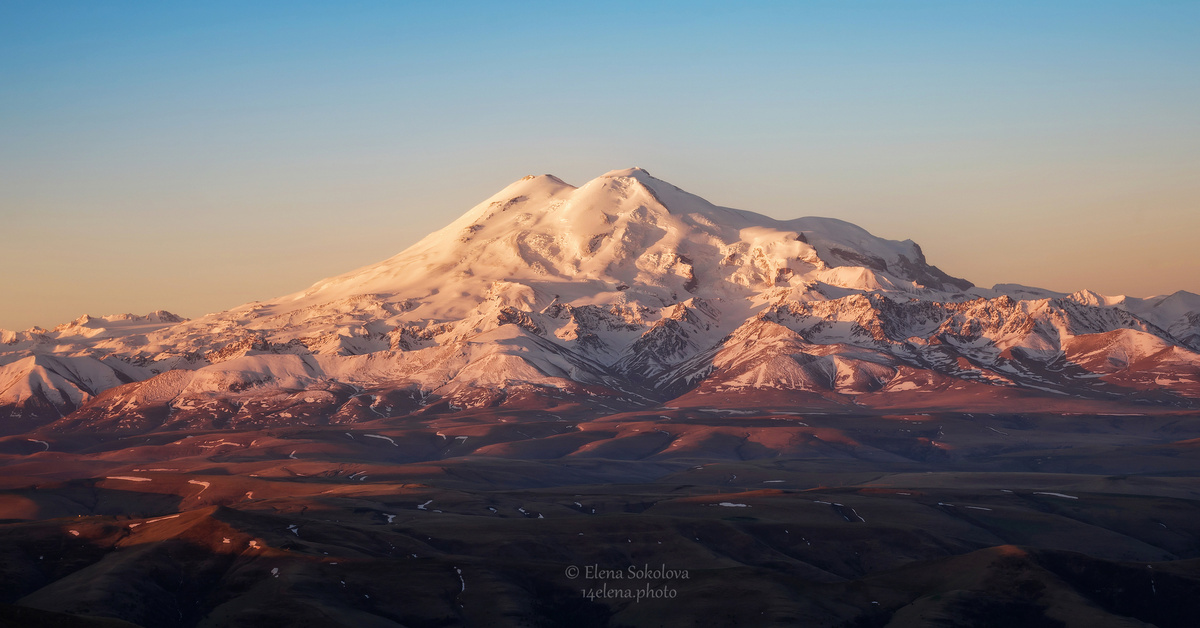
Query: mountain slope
{"x": 621, "y": 293}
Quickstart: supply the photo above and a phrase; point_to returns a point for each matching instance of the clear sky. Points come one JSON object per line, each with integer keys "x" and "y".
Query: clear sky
{"x": 195, "y": 156}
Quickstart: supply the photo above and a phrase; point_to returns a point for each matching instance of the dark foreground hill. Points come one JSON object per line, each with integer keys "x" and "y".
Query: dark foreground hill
{"x": 539, "y": 519}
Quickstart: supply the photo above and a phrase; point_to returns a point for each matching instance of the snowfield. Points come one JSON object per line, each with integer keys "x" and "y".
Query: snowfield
{"x": 623, "y": 292}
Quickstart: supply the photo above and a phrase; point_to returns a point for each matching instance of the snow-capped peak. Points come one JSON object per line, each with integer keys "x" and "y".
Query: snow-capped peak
{"x": 627, "y": 227}
{"x": 622, "y": 289}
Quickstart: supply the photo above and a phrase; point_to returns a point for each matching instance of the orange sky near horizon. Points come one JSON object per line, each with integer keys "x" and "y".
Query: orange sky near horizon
{"x": 194, "y": 158}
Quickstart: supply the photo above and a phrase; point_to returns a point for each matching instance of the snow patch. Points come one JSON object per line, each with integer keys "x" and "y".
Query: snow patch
{"x": 1056, "y": 495}
{"x": 382, "y": 437}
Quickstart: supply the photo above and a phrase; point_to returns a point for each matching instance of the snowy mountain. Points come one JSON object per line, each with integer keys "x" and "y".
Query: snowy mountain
{"x": 624, "y": 292}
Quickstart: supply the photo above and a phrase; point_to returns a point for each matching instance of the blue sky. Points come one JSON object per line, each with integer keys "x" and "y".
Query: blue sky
{"x": 196, "y": 156}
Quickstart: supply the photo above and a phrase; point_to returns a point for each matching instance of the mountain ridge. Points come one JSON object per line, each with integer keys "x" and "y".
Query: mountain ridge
{"x": 623, "y": 292}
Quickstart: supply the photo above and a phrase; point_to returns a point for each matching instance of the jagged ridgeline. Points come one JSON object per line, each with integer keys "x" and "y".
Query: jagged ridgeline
{"x": 624, "y": 292}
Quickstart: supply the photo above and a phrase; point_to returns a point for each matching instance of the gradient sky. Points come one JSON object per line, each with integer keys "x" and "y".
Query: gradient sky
{"x": 195, "y": 156}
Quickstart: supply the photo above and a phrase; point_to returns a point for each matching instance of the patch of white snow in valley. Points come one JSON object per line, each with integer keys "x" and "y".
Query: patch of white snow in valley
{"x": 424, "y": 506}
{"x": 134, "y": 525}
{"x": 40, "y": 442}
{"x": 733, "y": 505}
{"x": 200, "y": 483}
{"x": 1056, "y": 495}
{"x": 382, "y": 437}
{"x": 127, "y": 478}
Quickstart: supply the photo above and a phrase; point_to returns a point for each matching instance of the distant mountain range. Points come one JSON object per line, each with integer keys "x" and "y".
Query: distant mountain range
{"x": 623, "y": 293}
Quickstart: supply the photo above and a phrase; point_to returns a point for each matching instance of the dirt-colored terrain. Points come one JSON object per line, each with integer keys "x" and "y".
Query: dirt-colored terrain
{"x": 778, "y": 517}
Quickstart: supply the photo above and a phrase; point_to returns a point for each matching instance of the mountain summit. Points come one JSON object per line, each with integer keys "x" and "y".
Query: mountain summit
{"x": 628, "y": 228}
{"x": 624, "y": 292}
